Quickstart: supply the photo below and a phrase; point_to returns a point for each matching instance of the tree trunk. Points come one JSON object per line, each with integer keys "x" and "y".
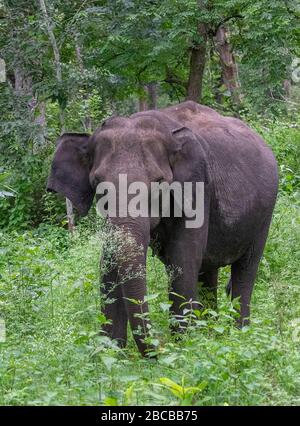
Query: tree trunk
{"x": 152, "y": 95}
{"x": 148, "y": 98}
{"x": 197, "y": 66}
{"x": 143, "y": 106}
{"x": 87, "y": 119}
{"x": 69, "y": 207}
{"x": 41, "y": 122}
{"x": 228, "y": 64}
{"x": 287, "y": 87}
{"x": 55, "y": 53}
{"x": 23, "y": 87}
{"x": 70, "y": 215}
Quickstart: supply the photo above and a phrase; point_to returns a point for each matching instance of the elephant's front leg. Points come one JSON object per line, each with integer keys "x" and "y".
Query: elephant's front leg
{"x": 183, "y": 293}
{"x": 113, "y": 307}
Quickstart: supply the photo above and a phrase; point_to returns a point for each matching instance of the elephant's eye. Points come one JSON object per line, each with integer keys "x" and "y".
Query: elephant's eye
{"x": 160, "y": 180}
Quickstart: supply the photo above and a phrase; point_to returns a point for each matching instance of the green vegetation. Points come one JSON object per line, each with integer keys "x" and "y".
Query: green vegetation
{"x": 54, "y": 353}
{"x": 69, "y": 66}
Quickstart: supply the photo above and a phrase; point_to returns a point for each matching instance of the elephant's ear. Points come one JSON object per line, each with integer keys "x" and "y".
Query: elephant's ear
{"x": 189, "y": 165}
{"x": 186, "y": 155}
{"x": 70, "y": 171}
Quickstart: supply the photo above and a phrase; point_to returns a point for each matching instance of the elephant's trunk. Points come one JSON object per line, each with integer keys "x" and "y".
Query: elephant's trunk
{"x": 133, "y": 240}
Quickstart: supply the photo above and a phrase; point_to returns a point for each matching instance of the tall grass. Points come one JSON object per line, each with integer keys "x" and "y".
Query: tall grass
{"x": 54, "y": 353}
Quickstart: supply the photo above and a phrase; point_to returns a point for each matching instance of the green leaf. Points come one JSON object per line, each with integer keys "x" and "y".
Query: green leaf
{"x": 113, "y": 402}
{"x": 108, "y": 361}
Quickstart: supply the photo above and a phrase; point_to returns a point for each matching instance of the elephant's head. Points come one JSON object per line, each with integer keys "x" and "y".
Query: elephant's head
{"x": 147, "y": 147}
{"x": 70, "y": 171}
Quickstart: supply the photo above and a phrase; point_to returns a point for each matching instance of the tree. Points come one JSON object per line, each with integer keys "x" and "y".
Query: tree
{"x": 197, "y": 61}
{"x": 69, "y": 206}
{"x": 228, "y": 63}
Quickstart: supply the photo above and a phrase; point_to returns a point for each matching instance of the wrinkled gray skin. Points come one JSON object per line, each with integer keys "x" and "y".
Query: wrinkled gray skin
{"x": 186, "y": 143}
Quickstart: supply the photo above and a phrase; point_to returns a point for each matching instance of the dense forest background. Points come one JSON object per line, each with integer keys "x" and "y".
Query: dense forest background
{"x": 67, "y": 66}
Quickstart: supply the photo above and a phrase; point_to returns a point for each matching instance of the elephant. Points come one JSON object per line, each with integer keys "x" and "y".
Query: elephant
{"x": 187, "y": 142}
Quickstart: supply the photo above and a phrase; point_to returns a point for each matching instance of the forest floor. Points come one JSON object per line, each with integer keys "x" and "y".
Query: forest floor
{"x": 54, "y": 354}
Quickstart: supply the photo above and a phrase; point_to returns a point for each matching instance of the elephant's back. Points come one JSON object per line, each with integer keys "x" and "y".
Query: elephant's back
{"x": 220, "y": 132}
{"x": 234, "y": 151}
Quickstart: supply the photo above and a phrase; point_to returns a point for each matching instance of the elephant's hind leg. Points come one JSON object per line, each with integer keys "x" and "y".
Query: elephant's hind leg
{"x": 208, "y": 288}
{"x": 243, "y": 274}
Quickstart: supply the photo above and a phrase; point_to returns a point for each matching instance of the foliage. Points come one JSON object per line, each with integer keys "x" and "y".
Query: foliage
{"x": 49, "y": 295}
{"x": 49, "y": 280}
{"x": 284, "y": 138}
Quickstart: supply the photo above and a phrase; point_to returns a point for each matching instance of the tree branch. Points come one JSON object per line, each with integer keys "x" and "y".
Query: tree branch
{"x": 213, "y": 32}
{"x": 171, "y": 78}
